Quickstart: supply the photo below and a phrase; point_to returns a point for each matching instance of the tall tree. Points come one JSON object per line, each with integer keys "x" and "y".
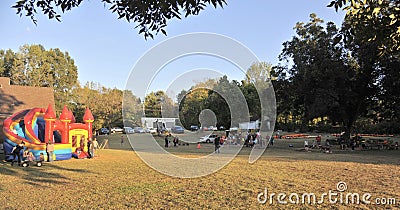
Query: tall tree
{"x": 158, "y": 104}
{"x": 369, "y": 36}
{"x": 252, "y": 98}
{"x": 6, "y": 62}
{"x": 193, "y": 101}
{"x": 343, "y": 79}
{"x": 228, "y": 103}
{"x": 105, "y": 104}
{"x": 33, "y": 65}
{"x": 132, "y": 109}
{"x": 87, "y": 96}
{"x": 111, "y": 106}
{"x": 325, "y": 79}
{"x": 256, "y": 84}
{"x": 150, "y": 16}
{"x": 259, "y": 72}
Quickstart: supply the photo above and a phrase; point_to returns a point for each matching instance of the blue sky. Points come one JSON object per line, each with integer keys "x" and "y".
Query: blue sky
{"x": 105, "y": 49}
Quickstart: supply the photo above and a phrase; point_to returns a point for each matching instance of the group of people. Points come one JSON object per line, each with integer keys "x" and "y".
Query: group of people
{"x": 20, "y": 153}
{"x": 27, "y": 155}
{"x": 250, "y": 139}
{"x": 91, "y": 145}
{"x": 317, "y": 144}
{"x": 175, "y": 141}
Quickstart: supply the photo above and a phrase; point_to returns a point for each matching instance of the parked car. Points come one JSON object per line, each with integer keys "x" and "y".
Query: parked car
{"x": 152, "y": 130}
{"x": 177, "y": 129}
{"x": 128, "y": 130}
{"x": 209, "y": 138}
{"x": 116, "y": 130}
{"x": 139, "y": 130}
{"x": 234, "y": 129}
{"x": 194, "y": 128}
{"x": 104, "y": 131}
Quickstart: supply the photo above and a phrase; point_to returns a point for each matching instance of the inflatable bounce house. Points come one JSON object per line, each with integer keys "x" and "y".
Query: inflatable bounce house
{"x": 37, "y": 126}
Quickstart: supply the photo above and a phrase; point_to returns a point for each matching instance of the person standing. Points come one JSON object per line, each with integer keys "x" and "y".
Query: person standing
{"x": 17, "y": 152}
{"x": 122, "y": 140}
{"x": 95, "y": 145}
{"x": 166, "y": 140}
{"x": 318, "y": 139}
{"x": 271, "y": 141}
{"x": 216, "y": 144}
{"x": 90, "y": 148}
{"x": 50, "y": 151}
{"x": 175, "y": 141}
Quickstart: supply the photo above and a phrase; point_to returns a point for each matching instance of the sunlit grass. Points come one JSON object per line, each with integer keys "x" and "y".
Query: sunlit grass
{"x": 118, "y": 179}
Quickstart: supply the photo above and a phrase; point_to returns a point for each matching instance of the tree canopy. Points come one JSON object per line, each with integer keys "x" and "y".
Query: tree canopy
{"x": 151, "y": 16}
{"x": 33, "y": 65}
{"x": 384, "y": 15}
{"x": 341, "y": 80}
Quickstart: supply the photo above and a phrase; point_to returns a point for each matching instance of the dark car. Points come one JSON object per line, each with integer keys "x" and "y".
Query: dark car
{"x": 104, "y": 131}
{"x": 178, "y": 129}
{"x": 194, "y": 128}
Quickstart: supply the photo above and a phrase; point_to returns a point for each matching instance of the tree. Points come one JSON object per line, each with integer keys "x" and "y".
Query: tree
{"x": 110, "y": 104}
{"x": 259, "y": 72}
{"x": 132, "y": 109}
{"x": 256, "y": 83}
{"x": 33, "y": 65}
{"x": 384, "y": 16}
{"x": 105, "y": 104}
{"x": 228, "y": 103}
{"x": 6, "y": 62}
{"x": 151, "y": 16}
{"x": 87, "y": 97}
{"x": 158, "y": 104}
{"x": 325, "y": 81}
{"x": 342, "y": 80}
{"x": 191, "y": 105}
{"x": 193, "y": 101}
{"x": 252, "y": 98}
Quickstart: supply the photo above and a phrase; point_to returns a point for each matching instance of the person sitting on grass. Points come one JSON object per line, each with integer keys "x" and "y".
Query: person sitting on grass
{"x": 306, "y": 145}
{"x": 30, "y": 157}
{"x": 41, "y": 157}
{"x": 25, "y": 155}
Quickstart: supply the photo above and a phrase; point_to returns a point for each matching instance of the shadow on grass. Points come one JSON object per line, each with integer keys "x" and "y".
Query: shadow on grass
{"x": 38, "y": 176}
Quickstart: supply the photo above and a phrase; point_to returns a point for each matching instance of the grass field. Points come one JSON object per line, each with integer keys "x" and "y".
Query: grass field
{"x": 118, "y": 179}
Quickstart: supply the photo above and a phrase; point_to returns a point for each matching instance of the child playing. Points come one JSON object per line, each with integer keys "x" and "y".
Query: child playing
{"x": 41, "y": 157}
{"x": 30, "y": 157}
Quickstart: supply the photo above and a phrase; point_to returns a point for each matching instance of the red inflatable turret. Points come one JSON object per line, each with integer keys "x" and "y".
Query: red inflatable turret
{"x": 88, "y": 119}
{"x": 65, "y": 119}
{"x": 72, "y": 117}
{"x": 50, "y": 118}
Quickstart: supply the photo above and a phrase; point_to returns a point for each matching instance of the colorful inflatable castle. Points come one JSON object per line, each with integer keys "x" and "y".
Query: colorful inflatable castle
{"x": 38, "y": 126}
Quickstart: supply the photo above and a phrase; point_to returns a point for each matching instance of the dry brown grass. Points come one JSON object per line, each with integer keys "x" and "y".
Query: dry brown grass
{"x": 118, "y": 179}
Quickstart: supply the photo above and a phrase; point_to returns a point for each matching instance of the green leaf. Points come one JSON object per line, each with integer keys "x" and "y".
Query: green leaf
{"x": 163, "y": 31}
